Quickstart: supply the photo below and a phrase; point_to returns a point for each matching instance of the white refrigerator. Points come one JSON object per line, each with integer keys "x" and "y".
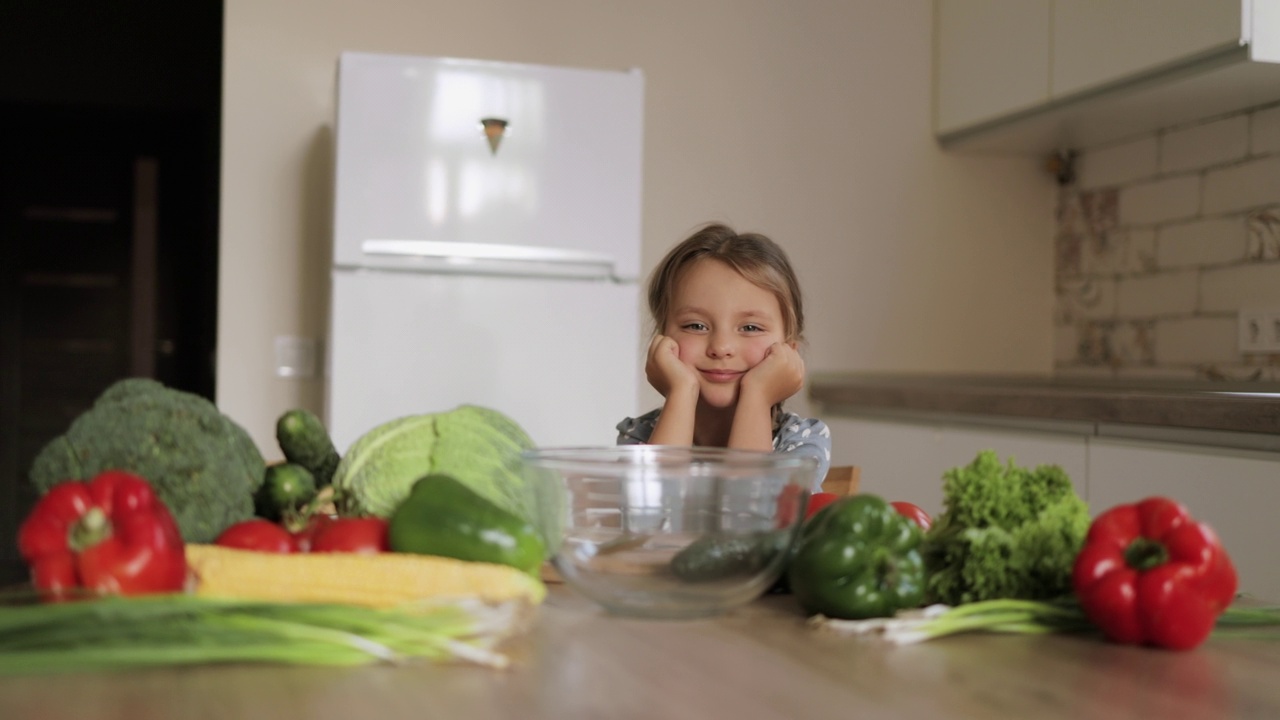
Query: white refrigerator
{"x": 486, "y": 245}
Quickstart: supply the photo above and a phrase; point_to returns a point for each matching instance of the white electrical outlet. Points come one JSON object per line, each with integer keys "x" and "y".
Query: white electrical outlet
{"x": 1259, "y": 330}
{"x": 1271, "y": 331}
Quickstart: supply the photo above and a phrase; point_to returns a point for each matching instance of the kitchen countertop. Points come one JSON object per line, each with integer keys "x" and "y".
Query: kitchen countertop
{"x": 760, "y": 661}
{"x": 1239, "y": 414}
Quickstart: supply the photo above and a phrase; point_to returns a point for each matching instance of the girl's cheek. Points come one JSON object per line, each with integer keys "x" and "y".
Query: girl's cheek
{"x": 681, "y": 351}
{"x": 759, "y": 353}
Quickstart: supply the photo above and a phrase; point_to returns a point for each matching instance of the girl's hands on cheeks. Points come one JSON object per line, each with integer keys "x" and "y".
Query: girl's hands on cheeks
{"x": 778, "y": 376}
{"x": 665, "y": 370}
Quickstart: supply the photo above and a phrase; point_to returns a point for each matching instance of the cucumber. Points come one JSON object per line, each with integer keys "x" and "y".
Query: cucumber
{"x": 285, "y": 487}
{"x": 716, "y": 557}
{"x": 305, "y": 442}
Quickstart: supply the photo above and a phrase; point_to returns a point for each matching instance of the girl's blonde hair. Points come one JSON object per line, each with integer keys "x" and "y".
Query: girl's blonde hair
{"x": 754, "y": 256}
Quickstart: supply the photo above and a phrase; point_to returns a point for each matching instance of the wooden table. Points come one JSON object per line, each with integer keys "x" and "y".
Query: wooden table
{"x": 758, "y": 662}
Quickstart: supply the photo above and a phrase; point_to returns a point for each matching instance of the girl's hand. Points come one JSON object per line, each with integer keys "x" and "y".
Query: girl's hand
{"x": 664, "y": 368}
{"x": 778, "y": 376}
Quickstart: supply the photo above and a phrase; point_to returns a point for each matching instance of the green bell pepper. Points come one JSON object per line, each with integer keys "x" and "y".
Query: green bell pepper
{"x": 858, "y": 558}
{"x": 446, "y": 518}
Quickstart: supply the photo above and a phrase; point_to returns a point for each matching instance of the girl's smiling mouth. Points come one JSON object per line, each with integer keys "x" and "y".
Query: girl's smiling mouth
{"x": 721, "y": 376}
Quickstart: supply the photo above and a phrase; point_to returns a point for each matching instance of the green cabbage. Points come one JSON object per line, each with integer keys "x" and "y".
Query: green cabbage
{"x": 476, "y": 445}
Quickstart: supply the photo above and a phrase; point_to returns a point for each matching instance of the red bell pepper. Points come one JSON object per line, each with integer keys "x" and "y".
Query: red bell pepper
{"x": 1150, "y": 574}
{"x": 109, "y": 535}
{"x": 817, "y": 501}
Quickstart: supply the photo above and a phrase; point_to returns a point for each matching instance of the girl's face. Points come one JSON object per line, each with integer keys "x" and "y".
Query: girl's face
{"x": 723, "y": 325}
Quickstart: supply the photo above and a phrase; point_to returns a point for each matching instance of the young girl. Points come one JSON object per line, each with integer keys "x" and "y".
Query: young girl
{"x": 727, "y": 317}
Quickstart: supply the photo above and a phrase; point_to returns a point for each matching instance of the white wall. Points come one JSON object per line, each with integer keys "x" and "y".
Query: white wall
{"x": 803, "y": 119}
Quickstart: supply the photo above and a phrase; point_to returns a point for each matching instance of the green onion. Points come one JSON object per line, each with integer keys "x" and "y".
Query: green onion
{"x": 118, "y": 633}
{"x": 1023, "y": 617}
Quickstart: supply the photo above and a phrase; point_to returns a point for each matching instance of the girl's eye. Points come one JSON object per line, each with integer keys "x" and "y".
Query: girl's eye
{"x": 694, "y": 326}
{"x": 752, "y": 328}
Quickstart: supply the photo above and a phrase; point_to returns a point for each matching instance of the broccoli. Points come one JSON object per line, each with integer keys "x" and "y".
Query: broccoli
{"x": 1005, "y": 532}
{"x": 203, "y": 465}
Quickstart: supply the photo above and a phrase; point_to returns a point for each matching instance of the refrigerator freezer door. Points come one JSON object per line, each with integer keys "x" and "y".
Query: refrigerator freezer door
{"x": 558, "y": 165}
{"x": 558, "y": 356}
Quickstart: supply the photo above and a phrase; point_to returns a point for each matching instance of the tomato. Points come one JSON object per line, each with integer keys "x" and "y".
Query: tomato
{"x": 817, "y": 501}
{"x": 356, "y": 535}
{"x": 788, "y": 506}
{"x": 913, "y": 512}
{"x": 303, "y": 538}
{"x": 257, "y": 534}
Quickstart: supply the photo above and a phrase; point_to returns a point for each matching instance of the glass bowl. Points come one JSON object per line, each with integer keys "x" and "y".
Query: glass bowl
{"x": 665, "y": 531}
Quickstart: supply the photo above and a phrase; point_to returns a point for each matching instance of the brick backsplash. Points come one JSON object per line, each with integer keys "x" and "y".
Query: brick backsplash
{"x": 1199, "y": 146}
{"x": 1264, "y": 131}
{"x": 1110, "y": 166}
{"x": 1216, "y": 241}
{"x": 1246, "y": 185}
{"x": 1172, "y": 198}
{"x": 1160, "y": 242}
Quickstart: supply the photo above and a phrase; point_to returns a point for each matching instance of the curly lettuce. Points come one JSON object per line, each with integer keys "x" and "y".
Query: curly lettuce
{"x": 1005, "y": 532}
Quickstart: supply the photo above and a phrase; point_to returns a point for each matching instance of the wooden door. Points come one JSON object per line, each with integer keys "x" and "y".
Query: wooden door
{"x": 98, "y": 279}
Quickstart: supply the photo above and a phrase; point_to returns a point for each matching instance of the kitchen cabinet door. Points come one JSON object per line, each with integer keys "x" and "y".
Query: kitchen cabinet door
{"x": 1099, "y": 42}
{"x": 991, "y": 59}
{"x": 1235, "y": 491}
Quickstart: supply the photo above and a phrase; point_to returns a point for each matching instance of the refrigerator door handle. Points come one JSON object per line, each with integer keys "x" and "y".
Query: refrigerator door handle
{"x": 484, "y": 258}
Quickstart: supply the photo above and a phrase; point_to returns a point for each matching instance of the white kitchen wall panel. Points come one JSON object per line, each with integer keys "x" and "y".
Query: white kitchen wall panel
{"x": 1235, "y": 491}
{"x": 905, "y": 460}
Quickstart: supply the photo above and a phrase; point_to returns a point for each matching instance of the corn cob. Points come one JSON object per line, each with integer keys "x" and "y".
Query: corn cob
{"x": 382, "y": 580}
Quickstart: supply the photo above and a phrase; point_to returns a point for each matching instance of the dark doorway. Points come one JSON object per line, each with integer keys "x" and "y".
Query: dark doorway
{"x": 109, "y": 153}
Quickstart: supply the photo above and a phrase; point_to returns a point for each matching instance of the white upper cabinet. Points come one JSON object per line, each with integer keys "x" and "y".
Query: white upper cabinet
{"x": 1033, "y": 76}
{"x": 1096, "y": 42}
{"x": 992, "y": 59}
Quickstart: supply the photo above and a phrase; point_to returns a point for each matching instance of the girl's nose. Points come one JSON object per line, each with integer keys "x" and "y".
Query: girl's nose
{"x": 720, "y": 346}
